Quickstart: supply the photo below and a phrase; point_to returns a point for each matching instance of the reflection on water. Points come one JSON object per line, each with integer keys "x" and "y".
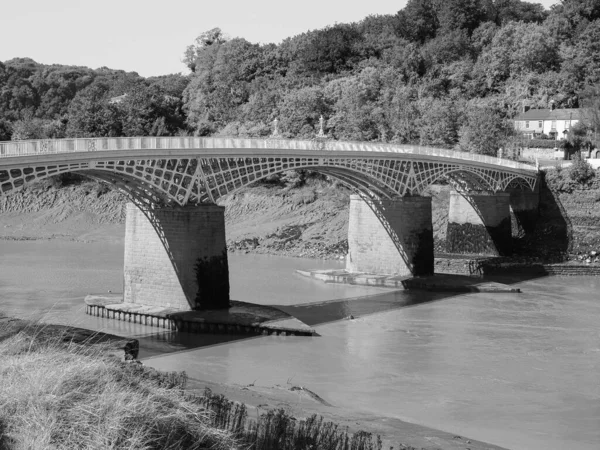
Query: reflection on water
{"x": 517, "y": 370}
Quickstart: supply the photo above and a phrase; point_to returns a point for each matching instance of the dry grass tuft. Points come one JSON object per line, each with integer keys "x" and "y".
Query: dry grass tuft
{"x": 56, "y": 395}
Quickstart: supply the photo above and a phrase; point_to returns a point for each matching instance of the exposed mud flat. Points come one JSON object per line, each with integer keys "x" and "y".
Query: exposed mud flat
{"x": 309, "y": 221}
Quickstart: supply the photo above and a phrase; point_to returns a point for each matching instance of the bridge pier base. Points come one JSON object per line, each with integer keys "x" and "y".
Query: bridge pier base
{"x": 479, "y": 223}
{"x": 162, "y": 248}
{"x": 390, "y": 237}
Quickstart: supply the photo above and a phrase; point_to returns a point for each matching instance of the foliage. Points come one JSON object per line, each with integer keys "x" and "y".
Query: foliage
{"x": 278, "y": 430}
{"x": 412, "y": 77}
{"x": 590, "y": 102}
{"x": 484, "y": 131}
{"x": 580, "y": 170}
{"x": 206, "y": 39}
{"x": 578, "y": 139}
{"x": 540, "y": 143}
{"x": 37, "y": 129}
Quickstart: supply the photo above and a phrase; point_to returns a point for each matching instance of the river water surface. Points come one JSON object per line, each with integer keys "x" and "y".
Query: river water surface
{"x": 518, "y": 370}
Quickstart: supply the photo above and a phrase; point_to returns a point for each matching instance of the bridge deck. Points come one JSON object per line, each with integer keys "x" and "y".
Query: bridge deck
{"x": 80, "y": 148}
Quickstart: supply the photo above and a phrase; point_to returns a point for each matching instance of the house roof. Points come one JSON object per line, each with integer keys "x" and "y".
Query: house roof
{"x": 548, "y": 114}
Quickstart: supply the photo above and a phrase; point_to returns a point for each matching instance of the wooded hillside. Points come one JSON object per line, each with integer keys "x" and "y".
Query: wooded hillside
{"x": 448, "y": 73}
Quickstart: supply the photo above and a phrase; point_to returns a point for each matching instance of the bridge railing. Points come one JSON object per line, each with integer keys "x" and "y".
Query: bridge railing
{"x": 77, "y": 145}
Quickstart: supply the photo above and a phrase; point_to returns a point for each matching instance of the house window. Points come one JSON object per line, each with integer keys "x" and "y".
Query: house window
{"x": 554, "y": 124}
{"x": 540, "y": 124}
{"x": 566, "y": 124}
{"x": 527, "y": 124}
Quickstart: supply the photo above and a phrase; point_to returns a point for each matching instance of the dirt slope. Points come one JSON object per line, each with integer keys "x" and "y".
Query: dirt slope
{"x": 310, "y": 221}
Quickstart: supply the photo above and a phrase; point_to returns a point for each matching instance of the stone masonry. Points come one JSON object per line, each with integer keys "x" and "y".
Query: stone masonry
{"x": 479, "y": 224}
{"x": 162, "y": 247}
{"x": 390, "y": 237}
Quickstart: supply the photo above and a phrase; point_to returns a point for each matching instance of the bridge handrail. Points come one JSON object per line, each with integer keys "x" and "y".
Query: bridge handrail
{"x": 10, "y": 149}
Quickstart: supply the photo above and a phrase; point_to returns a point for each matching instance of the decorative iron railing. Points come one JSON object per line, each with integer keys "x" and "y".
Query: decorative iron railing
{"x": 83, "y": 145}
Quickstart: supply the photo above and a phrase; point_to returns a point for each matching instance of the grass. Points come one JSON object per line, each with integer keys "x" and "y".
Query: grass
{"x": 56, "y": 393}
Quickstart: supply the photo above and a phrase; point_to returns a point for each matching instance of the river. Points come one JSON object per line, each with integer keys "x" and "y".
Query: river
{"x": 517, "y": 370}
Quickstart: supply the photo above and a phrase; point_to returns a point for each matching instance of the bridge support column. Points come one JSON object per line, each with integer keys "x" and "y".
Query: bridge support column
{"x": 162, "y": 249}
{"x": 479, "y": 223}
{"x": 391, "y": 237}
{"x": 525, "y": 208}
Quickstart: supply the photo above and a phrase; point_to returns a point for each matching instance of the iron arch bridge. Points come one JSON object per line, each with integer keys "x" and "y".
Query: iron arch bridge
{"x": 162, "y": 171}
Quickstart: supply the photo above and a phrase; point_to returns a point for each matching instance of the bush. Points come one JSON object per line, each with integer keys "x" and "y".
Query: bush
{"x": 580, "y": 171}
{"x": 540, "y": 143}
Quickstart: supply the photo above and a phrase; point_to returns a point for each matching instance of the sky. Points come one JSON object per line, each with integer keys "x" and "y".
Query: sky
{"x": 150, "y": 36}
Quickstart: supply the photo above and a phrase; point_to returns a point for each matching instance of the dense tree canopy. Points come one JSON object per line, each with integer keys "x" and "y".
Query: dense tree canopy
{"x": 449, "y": 73}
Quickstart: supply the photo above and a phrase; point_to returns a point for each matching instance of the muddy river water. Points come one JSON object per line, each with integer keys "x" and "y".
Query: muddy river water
{"x": 517, "y": 370}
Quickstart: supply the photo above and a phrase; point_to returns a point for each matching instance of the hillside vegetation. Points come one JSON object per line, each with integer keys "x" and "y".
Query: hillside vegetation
{"x": 444, "y": 73}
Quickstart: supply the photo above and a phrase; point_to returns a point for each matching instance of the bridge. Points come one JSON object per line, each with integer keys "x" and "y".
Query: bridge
{"x": 174, "y": 184}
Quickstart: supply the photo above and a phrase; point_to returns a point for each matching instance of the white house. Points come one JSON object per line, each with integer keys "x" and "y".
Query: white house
{"x": 554, "y": 123}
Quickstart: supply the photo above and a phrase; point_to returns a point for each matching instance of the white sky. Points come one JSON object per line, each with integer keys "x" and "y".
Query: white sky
{"x": 150, "y": 36}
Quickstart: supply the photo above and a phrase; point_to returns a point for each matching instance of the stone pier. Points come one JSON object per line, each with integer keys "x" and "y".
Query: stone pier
{"x": 390, "y": 237}
{"x": 162, "y": 248}
{"x": 479, "y": 223}
{"x": 525, "y": 208}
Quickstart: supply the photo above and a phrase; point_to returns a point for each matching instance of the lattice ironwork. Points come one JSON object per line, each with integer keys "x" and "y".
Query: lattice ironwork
{"x": 182, "y": 170}
{"x": 202, "y": 180}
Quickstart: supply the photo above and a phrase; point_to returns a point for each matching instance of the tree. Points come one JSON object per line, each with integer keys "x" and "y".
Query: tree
{"x": 418, "y": 21}
{"x": 572, "y": 17}
{"x": 578, "y": 138}
{"x": 519, "y": 48}
{"x": 518, "y": 11}
{"x": 91, "y": 115}
{"x": 590, "y": 102}
{"x": 34, "y": 128}
{"x": 582, "y": 60}
{"x": 484, "y": 131}
{"x": 222, "y": 83}
{"x": 439, "y": 121}
{"x": 357, "y": 115}
{"x": 455, "y": 15}
{"x": 299, "y": 112}
{"x": 206, "y": 39}
{"x": 334, "y": 49}
{"x": 5, "y": 130}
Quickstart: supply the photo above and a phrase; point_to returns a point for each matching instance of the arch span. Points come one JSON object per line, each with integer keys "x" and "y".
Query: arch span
{"x": 183, "y": 180}
{"x": 182, "y": 170}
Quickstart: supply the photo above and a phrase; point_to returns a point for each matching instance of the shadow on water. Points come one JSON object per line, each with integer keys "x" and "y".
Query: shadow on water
{"x": 157, "y": 344}
{"x": 330, "y": 311}
{"x": 312, "y": 314}
{"x": 322, "y": 312}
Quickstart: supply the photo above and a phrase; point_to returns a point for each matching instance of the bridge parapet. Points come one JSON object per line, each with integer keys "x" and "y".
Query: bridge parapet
{"x": 82, "y": 145}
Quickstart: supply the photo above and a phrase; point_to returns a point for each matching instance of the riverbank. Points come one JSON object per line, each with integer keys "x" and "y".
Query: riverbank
{"x": 86, "y": 395}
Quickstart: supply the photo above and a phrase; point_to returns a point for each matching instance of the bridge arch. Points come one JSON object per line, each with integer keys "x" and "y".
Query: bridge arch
{"x": 183, "y": 175}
